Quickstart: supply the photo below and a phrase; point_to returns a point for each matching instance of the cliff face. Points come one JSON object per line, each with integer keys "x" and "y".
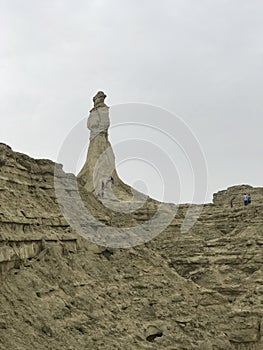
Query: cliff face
{"x": 29, "y": 214}
{"x": 201, "y": 290}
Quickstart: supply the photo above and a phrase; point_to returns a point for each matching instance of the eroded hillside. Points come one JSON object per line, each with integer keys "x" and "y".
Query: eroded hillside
{"x": 137, "y": 280}
{"x": 200, "y": 290}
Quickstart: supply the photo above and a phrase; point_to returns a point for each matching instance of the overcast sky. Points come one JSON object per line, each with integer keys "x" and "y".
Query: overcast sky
{"x": 200, "y": 60}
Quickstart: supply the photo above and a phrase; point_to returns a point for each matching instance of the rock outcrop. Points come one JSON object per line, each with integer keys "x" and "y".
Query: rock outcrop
{"x": 201, "y": 290}
{"x": 235, "y": 194}
{"x": 100, "y": 163}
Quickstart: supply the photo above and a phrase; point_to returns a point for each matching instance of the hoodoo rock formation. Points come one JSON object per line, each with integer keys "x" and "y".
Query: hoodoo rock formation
{"x": 100, "y": 162}
{"x": 99, "y": 146}
{"x": 202, "y": 290}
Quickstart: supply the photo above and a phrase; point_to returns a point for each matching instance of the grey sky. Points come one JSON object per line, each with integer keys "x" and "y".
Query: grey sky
{"x": 202, "y": 60}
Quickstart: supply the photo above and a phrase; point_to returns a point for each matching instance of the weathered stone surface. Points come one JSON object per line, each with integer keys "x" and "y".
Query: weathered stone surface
{"x": 100, "y": 162}
{"x": 198, "y": 290}
{"x": 235, "y": 194}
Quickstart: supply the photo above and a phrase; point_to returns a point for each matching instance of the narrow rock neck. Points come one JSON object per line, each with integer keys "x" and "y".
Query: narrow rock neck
{"x": 98, "y": 121}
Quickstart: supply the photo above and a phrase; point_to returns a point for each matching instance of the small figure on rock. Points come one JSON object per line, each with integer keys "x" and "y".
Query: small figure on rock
{"x": 102, "y": 189}
{"x": 245, "y": 197}
{"x": 248, "y": 199}
{"x": 110, "y": 179}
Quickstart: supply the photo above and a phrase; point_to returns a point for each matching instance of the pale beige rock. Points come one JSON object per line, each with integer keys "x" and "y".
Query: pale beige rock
{"x": 100, "y": 162}
{"x": 199, "y": 290}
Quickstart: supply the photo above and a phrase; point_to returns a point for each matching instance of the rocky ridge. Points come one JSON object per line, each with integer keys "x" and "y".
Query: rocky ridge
{"x": 201, "y": 290}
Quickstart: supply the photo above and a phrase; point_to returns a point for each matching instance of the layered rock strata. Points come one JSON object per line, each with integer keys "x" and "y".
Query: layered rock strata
{"x": 201, "y": 290}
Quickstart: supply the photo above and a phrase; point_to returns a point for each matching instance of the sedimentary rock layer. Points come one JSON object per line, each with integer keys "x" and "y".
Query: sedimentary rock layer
{"x": 200, "y": 290}
{"x": 197, "y": 290}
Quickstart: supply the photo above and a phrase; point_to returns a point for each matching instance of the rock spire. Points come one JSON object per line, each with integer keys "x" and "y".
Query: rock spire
{"x": 100, "y": 162}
